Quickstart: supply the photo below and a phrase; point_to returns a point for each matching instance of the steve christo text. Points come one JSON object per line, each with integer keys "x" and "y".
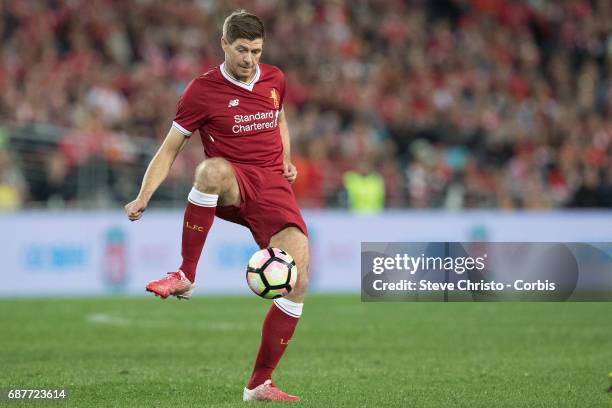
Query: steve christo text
{"x": 462, "y": 285}
{"x": 458, "y": 265}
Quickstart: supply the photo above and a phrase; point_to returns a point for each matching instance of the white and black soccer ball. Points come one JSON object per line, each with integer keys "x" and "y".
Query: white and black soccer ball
{"x": 271, "y": 273}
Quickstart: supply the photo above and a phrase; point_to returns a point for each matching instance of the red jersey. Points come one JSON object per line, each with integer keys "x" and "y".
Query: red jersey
{"x": 237, "y": 121}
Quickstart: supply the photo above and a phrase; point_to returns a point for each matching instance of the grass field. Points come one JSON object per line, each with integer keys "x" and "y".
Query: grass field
{"x": 144, "y": 352}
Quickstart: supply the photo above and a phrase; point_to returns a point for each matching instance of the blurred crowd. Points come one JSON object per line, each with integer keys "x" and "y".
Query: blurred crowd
{"x": 441, "y": 103}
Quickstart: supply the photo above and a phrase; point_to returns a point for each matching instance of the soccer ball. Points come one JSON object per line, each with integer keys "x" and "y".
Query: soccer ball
{"x": 271, "y": 273}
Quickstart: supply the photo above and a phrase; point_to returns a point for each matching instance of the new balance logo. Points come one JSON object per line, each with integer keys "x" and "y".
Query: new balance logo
{"x": 233, "y": 102}
{"x": 284, "y": 342}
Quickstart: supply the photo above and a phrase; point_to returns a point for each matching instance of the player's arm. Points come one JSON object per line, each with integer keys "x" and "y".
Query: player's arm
{"x": 289, "y": 170}
{"x": 157, "y": 171}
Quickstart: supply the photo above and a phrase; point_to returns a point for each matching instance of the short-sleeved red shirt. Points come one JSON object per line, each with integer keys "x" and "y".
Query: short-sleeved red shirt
{"x": 237, "y": 121}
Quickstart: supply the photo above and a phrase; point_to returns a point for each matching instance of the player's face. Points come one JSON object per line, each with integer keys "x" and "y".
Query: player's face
{"x": 242, "y": 57}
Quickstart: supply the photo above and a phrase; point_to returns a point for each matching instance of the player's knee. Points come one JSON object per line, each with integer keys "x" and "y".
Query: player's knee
{"x": 212, "y": 175}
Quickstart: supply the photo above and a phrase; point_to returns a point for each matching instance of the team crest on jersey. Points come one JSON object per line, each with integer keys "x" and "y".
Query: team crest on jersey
{"x": 233, "y": 102}
{"x": 275, "y": 98}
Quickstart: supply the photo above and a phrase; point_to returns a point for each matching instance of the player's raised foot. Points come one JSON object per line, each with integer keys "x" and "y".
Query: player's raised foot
{"x": 174, "y": 284}
{"x": 267, "y": 392}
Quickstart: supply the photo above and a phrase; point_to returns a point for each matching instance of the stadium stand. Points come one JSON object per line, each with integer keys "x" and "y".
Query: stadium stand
{"x": 455, "y": 103}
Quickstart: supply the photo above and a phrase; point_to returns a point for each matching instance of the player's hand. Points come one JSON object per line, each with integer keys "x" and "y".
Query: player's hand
{"x": 289, "y": 172}
{"x": 135, "y": 209}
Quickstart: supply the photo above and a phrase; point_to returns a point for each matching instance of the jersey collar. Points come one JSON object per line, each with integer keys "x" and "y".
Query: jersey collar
{"x": 249, "y": 86}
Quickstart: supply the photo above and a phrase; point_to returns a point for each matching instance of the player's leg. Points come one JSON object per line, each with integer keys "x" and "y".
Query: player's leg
{"x": 293, "y": 241}
{"x": 281, "y": 320}
{"x": 215, "y": 182}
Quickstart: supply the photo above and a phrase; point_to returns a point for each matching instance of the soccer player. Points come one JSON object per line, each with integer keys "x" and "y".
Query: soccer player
{"x": 237, "y": 108}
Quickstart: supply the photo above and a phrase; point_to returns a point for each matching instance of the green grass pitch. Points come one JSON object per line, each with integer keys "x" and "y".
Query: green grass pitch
{"x": 145, "y": 352}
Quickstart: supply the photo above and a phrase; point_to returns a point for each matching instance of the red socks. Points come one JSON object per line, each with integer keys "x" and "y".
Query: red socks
{"x": 283, "y": 316}
{"x": 278, "y": 328}
{"x": 199, "y": 217}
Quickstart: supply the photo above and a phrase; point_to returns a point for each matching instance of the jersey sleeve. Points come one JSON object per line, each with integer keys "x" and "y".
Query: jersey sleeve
{"x": 191, "y": 112}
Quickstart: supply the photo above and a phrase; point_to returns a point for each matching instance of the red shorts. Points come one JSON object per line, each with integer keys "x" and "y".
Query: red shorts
{"x": 267, "y": 203}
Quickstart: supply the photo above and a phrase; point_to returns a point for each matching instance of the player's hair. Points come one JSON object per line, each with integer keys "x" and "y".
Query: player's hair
{"x": 242, "y": 24}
